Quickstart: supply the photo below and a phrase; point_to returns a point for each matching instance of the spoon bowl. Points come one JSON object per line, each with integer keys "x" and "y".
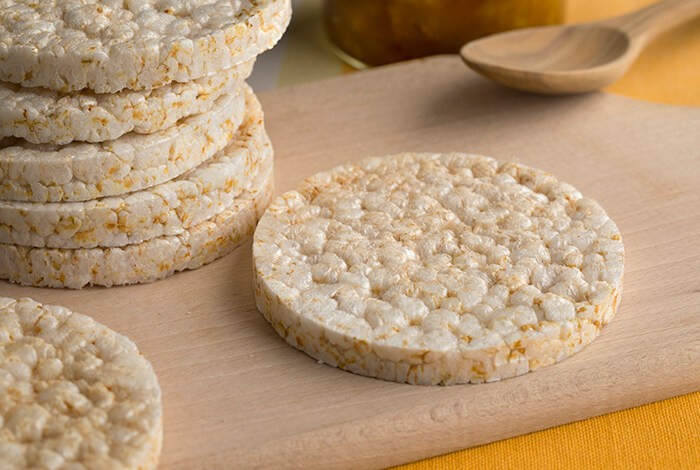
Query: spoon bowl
{"x": 567, "y": 59}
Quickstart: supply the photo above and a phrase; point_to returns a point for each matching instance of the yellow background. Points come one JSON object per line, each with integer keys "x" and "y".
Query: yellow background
{"x": 668, "y": 71}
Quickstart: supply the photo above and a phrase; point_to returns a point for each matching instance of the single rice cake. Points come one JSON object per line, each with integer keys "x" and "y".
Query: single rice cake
{"x": 43, "y": 116}
{"x": 437, "y": 268}
{"x": 107, "y": 46}
{"x": 169, "y": 208}
{"x": 82, "y": 171}
{"x": 73, "y": 393}
{"x": 148, "y": 261}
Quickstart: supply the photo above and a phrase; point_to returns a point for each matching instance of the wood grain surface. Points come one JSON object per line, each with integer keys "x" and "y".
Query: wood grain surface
{"x": 236, "y": 396}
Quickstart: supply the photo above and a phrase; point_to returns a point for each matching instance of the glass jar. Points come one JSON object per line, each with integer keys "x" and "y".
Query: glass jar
{"x": 377, "y": 32}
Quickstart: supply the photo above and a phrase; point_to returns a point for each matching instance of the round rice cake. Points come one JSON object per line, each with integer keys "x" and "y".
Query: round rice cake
{"x": 108, "y": 46}
{"x": 74, "y": 394}
{"x": 166, "y": 209}
{"x": 83, "y": 171}
{"x": 43, "y": 116}
{"x": 437, "y": 268}
{"x": 144, "y": 262}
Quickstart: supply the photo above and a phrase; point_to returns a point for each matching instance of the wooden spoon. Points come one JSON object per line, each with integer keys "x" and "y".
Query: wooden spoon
{"x": 578, "y": 58}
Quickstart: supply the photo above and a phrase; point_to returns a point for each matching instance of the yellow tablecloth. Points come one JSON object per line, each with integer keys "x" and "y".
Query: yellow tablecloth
{"x": 663, "y": 435}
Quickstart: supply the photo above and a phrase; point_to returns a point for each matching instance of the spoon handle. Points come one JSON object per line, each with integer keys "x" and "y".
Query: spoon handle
{"x": 644, "y": 25}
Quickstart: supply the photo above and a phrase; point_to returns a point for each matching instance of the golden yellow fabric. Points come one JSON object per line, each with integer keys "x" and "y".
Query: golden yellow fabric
{"x": 663, "y": 435}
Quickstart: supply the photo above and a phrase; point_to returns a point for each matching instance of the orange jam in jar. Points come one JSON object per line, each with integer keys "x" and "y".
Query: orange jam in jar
{"x": 377, "y": 32}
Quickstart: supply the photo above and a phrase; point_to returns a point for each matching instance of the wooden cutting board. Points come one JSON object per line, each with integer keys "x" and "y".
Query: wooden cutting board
{"x": 237, "y": 396}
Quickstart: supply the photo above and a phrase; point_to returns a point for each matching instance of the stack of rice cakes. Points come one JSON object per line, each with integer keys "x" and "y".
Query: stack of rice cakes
{"x": 130, "y": 145}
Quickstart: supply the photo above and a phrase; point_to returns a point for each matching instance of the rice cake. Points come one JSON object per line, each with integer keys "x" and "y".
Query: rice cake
{"x": 437, "y": 268}
{"x": 43, "y": 116}
{"x": 111, "y": 45}
{"x": 145, "y": 262}
{"x": 74, "y": 394}
{"x": 166, "y": 209}
{"x": 83, "y": 171}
